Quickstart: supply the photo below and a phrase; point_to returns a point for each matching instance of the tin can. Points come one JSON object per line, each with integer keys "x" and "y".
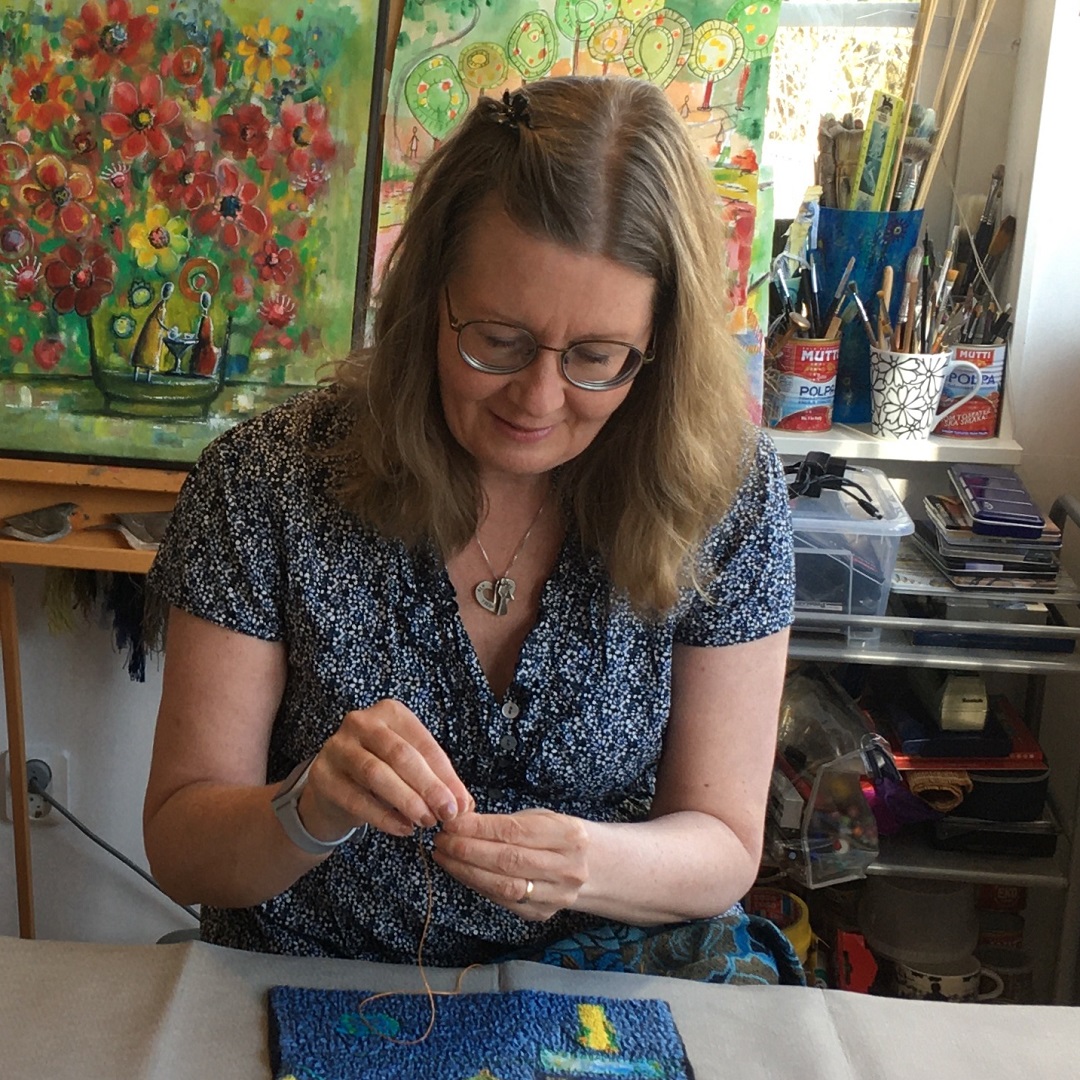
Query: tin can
{"x": 801, "y": 386}
{"x": 979, "y": 417}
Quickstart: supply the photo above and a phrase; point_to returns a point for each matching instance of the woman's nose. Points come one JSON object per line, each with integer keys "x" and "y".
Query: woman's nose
{"x": 539, "y": 389}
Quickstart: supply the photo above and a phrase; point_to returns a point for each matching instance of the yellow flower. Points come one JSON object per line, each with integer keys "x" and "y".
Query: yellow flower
{"x": 265, "y": 51}
{"x": 159, "y": 241}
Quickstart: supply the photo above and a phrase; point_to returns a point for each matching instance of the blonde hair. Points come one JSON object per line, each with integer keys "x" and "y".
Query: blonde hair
{"x": 603, "y": 166}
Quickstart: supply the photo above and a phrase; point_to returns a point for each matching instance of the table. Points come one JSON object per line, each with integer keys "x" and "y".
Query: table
{"x": 77, "y": 1011}
{"x": 98, "y": 490}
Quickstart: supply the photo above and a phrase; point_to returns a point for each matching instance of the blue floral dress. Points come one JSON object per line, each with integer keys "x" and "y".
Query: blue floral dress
{"x": 260, "y": 544}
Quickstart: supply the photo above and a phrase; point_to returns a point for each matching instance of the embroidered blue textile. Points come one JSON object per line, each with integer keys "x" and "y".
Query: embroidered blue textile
{"x": 516, "y": 1035}
{"x": 734, "y": 948}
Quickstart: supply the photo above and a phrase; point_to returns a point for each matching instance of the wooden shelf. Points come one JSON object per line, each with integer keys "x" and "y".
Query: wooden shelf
{"x": 98, "y": 491}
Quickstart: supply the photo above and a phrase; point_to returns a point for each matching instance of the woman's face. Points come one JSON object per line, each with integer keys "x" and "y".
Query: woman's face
{"x": 526, "y": 423}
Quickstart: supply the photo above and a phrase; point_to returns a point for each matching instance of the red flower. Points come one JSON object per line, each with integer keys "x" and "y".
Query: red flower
{"x": 233, "y": 208}
{"x": 278, "y": 310}
{"x": 56, "y": 195}
{"x": 38, "y": 92}
{"x": 275, "y": 263}
{"x": 16, "y": 343}
{"x": 187, "y": 65}
{"x": 311, "y": 182}
{"x": 24, "y": 277}
{"x": 108, "y": 37}
{"x": 141, "y": 116}
{"x": 81, "y": 279}
{"x": 245, "y": 131}
{"x": 304, "y": 137}
{"x": 47, "y": 352}
{"x": 184, "y": 178}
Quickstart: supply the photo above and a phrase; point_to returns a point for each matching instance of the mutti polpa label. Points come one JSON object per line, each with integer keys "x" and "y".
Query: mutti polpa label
{"x": 801, "y": 387}
{"x": 979, "y": 417}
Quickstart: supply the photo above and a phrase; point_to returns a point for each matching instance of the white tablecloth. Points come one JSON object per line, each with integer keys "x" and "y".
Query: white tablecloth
{"x": 73, "y": 1011}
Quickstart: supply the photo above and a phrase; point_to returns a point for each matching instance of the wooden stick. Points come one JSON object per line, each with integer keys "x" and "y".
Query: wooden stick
{"x": 20, "y": 798}
{"x": 911, "y": 81}
{"x": 982, "y": 20}
{"x": 957, "y": 21}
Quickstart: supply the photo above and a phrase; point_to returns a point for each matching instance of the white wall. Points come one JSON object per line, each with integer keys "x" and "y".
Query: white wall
{"x": 77, "y": 696}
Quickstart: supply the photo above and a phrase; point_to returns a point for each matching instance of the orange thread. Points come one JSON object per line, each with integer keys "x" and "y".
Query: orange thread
{"x": 431, "y": 994}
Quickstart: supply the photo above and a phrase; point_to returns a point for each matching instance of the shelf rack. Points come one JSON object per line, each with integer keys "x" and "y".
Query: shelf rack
{"x": 855, "y": 442}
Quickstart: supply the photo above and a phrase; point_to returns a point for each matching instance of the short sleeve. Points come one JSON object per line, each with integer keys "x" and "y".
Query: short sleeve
{"x": 221, "y": 556}
{"x": 750, "y": 561}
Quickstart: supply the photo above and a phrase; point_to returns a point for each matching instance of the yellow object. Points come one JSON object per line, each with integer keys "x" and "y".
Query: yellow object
{"x": 596, "y": 1032}
{"x": 788, "y": 911}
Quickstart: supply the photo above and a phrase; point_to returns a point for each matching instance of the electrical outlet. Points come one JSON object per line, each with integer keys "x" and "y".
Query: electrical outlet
{"x": 56, "y": 761}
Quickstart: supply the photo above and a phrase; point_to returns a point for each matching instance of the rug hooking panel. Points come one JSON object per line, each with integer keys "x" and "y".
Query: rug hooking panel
{"x": 518, "y": 1035}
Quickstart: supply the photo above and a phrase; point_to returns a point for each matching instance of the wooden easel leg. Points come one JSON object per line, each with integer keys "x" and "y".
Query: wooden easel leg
{"x": 20, "y": 799}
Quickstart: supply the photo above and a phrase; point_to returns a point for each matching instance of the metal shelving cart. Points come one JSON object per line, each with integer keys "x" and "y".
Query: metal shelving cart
{"x": 831, "y": 638}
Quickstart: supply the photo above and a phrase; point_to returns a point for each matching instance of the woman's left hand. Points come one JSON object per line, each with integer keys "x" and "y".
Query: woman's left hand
{"x": 498, "y": 855}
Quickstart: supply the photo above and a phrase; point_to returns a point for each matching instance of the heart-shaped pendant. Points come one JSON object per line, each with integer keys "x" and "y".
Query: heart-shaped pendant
{"x": 495, "y": 596}
{"x": 485, "y": 596}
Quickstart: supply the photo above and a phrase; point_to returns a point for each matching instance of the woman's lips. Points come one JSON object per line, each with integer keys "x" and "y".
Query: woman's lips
{"x": 523, "y": 434}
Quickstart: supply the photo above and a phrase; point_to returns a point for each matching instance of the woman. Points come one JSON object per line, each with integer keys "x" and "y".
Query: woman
{"x": 520, "y": 580}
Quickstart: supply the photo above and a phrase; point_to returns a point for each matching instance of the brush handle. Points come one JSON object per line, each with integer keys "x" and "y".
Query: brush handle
{"x": 982, "y": 20}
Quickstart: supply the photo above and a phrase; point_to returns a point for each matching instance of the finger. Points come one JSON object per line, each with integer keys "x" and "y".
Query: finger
{"x": 500, "y": 859}
{"x": 394, "y": 735}
{"x": 457, "y": 796}
{"x": 335, "y": 792}
{"x": 538, "y": 829}
{"x": 506, "y": 891}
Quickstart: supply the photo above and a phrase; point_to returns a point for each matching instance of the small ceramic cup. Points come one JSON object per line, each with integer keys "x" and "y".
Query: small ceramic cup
{"x": 964, "y": 979}
{"x": 905, "y": 389}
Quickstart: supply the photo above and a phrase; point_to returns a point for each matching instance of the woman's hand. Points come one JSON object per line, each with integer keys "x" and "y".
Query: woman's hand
{"x": 498, "y": 855}
{"x": 382, "y": 768}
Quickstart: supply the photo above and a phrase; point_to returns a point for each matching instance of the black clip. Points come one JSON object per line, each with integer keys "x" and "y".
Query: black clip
{"x": 514, "y": 109}
{"x": 818, "y": 472}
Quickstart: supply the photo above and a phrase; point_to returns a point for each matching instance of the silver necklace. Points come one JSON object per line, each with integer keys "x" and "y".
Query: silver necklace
{"x": 495, "y": 594}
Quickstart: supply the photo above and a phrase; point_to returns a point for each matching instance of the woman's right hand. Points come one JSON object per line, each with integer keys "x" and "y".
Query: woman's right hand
{"x": 382, "y": 768}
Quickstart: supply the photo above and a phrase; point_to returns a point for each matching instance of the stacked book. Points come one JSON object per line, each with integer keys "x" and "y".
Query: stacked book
{"x": 988, "y": 534}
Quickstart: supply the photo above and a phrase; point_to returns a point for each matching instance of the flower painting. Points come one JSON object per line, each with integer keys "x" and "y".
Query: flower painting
{"x": 184, "y": 196}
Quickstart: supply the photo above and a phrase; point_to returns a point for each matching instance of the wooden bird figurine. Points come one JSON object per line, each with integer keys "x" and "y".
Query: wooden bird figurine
{"x": 40, "y": 526}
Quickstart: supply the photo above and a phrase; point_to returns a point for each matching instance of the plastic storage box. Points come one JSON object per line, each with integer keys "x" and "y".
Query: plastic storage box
{"x": 844, "y": 557}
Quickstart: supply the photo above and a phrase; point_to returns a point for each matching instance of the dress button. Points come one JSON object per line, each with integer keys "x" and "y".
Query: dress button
{"x": 511, "y": 710}
{"x": 494, "y": 794}
{"x": 508, "y": 742}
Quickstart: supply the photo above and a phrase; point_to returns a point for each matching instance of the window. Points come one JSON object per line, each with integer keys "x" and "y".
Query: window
{"x": 828, "y": 56}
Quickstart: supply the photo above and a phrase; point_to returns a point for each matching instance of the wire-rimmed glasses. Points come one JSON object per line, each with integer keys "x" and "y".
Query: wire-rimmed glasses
{"x": 499, "y": 349}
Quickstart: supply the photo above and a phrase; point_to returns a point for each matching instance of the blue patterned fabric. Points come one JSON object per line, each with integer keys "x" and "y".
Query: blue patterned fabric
{"x": 517, "y": 1035}
{"x": 734, "y": 948}
{"x": 260, "y": 544}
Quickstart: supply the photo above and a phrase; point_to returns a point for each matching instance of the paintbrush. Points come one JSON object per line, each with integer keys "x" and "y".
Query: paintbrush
{"x": 834, "y": 303}
{"x": 1003, "y": 238}
{"x": 984, "y": 233}
{"x": 982, "y": 21}
{"x": 854, "y": 288}
{"x": 911, "y": 294}
{"x": 884, "y": 303}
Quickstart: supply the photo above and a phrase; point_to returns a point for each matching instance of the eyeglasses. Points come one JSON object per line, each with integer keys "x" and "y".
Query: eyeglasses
{"x": 499, "y": 349}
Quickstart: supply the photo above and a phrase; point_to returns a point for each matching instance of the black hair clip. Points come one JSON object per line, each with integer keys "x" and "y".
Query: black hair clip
{"x": 818, "y": 472}
{"x": 514, "y": 109}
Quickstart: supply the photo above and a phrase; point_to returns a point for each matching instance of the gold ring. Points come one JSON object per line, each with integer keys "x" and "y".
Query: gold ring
{"x": 529, "y": 886}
